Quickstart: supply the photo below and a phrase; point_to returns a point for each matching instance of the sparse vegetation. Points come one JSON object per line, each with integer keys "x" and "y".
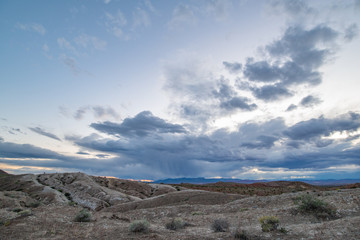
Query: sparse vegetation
{"x": 269, "y": 223}
{"x": 175, "y": 224}
{"x": 311, "y": 205}
{"x": 139, "y": 226}
{"x": 241, "y": 234}
{"x": 17, "y": 210}
{"x": 83, "y": 216}
{"x": 220, "y": 225}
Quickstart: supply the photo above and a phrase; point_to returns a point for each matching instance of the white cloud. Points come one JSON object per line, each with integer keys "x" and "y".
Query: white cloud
{"x": 182, "y": 14}
{"x": 64, "y": 44}
{"x": 107, "y": 1}
{"x": 33, "y": 27}
{"x": 115, "y": 22}
{"x": 86, "y": 41}
{"x": 141, "y": 18}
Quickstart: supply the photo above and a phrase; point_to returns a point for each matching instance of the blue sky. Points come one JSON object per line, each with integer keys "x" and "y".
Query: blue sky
{"x": 158, "y": 89}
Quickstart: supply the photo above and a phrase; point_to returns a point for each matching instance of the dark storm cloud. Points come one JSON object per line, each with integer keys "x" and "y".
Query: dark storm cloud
{"x": 13, "y": 150}
{"x": 310, "y": 101}
{"x": 233, "y": 67}
{"x": 44, "y": 133}
{"x": 262, "y": 142}
{"x": 238, "y": 103}
{"x": 291, "y": 108}
{"x": 271, "y": 92}
{"x": 319, "y": 160}
{"x": 321, "y": 126}
{"x": 141, "y": 125}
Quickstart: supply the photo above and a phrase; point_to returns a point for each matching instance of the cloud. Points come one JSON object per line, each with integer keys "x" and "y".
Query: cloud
{"x": 310, "y": 101}
{"x": 293, "y": 59}
{"x": 233, "y": 67}
{"x": 142, "y": 125}
{"x": 301, "y": 45}
{"x": 291, "y": 7}
{"x": 238, "y": 103}
{"x": 32, "y": 27}
{"x": 71, "y": 64}
{"x": 13, "y": 150}
{"x": 262, "y": 142}
{"x": 351, "y": 32}
{"x": 44, "y": 133}
{"x": 218, "y": 8}
{"x": 291, "y": 108}
{"x": 271, "y": 92}
{"x": 318, "y": 127}
{"x": 182, "y": 14}
{"x": 86, "y": 41}
{"x": 141, "y": 18}
{"x": 115, "y": 23}
{"x": 107, "y": 1}
{"x": 65, "y": 44}
{"x": 99, "y": 112}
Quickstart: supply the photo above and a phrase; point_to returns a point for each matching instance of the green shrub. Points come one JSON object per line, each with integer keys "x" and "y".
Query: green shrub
{"x": 175, "y": 224}
{"x": 220, "y": 225}
{"x": 269, "y": 223}
{"x": 315, "y": 206}
{"x": 139, "y": 226}
{"x": 83, "y": 216}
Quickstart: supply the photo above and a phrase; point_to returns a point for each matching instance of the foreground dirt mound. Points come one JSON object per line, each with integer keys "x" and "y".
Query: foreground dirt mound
{"x": 84, "y": 190}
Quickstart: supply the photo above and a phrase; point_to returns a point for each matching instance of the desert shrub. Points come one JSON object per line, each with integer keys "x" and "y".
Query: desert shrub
{"x": 220, "y": 225}
{"x": 241, "y": 234}
{"x": 315, "y": 206}
{"x": 197, "y": 213}
{"x": 83, "y": 216}
{"x": 283, "y": 230}
{"x": 175, "y": 224}
{"x": 17, "y": 210}
{"x": 139, "y": 226}
{"x": 269, "y": 223}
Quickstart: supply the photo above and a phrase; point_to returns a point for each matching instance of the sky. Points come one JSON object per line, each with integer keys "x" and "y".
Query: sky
{"x": 154, "y": 89}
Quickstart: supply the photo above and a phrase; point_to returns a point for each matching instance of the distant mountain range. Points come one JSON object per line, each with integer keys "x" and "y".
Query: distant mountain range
{"x": 200, "y": 180}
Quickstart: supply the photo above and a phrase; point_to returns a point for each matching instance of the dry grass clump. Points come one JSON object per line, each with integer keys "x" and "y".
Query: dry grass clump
{"x": 269, "y": 223}
{"x": 220, "y": 225}
{"x": 139, "y": 226}
{"x": 83, "y": 216}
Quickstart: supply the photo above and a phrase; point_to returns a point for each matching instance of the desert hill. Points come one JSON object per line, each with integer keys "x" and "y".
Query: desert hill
{"x": 45, "y": 206}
